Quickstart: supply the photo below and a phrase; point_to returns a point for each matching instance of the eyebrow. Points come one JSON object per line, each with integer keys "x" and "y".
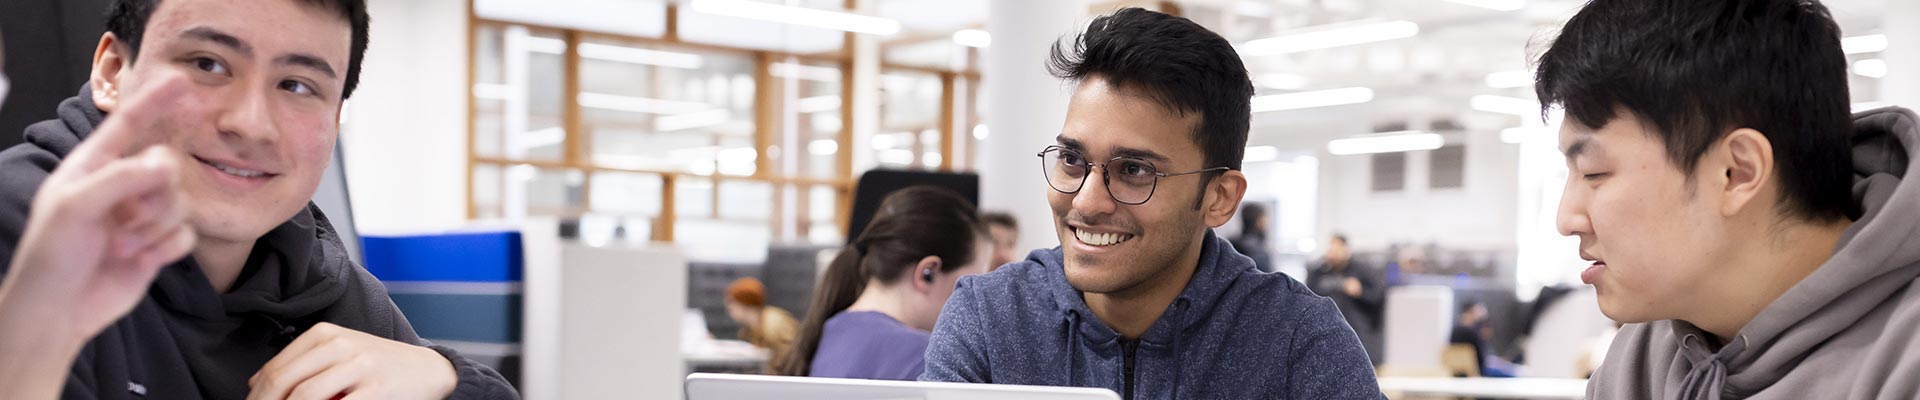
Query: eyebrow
{"x": 1075, "y": 145}
{"x": 308, "y": 61}
{"x": 1580, "y": 146}
{"x": 221, "y": 38}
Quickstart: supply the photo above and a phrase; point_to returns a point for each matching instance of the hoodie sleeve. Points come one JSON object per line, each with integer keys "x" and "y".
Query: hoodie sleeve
{"x": 958, "y": 349}
{"x": 1328, "y": 362}
{"x": 476, "y": 380}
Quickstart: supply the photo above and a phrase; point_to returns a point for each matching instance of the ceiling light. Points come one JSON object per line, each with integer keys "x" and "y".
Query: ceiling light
{"x": 1864, "y": 44}
{"x": 1496, "y": 5}
{"x": 1505, "y": 105}
{"x": 1390, "y": 142}
{"x": 1510, "y": 79}
{"x": 770, "y": 12}
{"x": 974, "y": 38}
{"x": 1871, "y": 68}
{"x": 1329, "y": 36}
{"x": 1318, "y": 98}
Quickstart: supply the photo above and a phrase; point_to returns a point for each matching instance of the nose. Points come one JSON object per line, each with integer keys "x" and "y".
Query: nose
{"x": 1571, "y": 217}
{"x": 1093, "y": 198}
{"x": 249, "y": 118}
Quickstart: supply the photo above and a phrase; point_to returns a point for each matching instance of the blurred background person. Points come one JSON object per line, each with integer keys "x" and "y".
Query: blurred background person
{"x": 1357, "y": 289}
{"x": 1473, "y": 329}
{"x": 1252, "y": 240}
{"x": 764, "y": 326}
{"x": 874, "y": 311}
{"x": 1005, "y": 233}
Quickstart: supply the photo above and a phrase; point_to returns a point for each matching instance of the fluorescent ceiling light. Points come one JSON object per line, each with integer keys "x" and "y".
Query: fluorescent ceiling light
{"x": 640, "y": 56}
{"x": 1318, "y": 98}
{"x": 1496, "y": 5}
{"x": 1505, "y": 105}
{"x": 1329, "y": 36}
{"x": 1281, "y": 81}
{"x": 693, "y": 120}
{"x": 1518, "y": 135}
{"x": 807, "y": 72}
{"x": 1260, "y": 154}
{"x": 823, "y": 147}
{"x": 974, "y": 38}
{"x": 980, "y": 132}
{"x": 818, "y": 104}
{"x": 770, "y": 12}
{"x": 607, "y": 52}
{"x": 1864, "y": 44}
{"x": 1390, "y": 142}
{"x": 1871, "y": 68}
{"x": 1510, "y": 79}
{"x": 639, "y": 104}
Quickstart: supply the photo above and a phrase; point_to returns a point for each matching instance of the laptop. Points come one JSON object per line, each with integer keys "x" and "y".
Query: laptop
{"x": 742, "y": 387}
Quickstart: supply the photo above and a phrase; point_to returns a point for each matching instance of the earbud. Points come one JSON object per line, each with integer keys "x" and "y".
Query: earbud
{"x": 926, "y": 274}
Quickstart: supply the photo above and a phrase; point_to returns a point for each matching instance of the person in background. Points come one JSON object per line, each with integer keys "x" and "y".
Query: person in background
{"x": 873, "y": 313}
{"x": 764, "y": 326}
{"x": 1252, "y": 241}
{"x": 1006, "y": 238}
{"x": 1141, "y": 297}
{"x": 1357, "y": 289}
{"x": 158, "y": 238}
{"x": 1757, "y": 237}
{"x": 1473, "y": 329}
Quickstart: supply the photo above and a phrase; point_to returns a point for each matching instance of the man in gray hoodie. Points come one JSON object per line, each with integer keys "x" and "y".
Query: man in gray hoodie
{"x": 1141, "y": 297}
{"x": 1758, "y": 242}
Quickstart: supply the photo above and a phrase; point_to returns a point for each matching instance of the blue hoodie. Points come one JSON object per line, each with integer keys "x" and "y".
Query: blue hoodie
{"x": 1234, "y": 333}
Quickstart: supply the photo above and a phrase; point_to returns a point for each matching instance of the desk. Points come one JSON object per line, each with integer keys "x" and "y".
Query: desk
{"x": 722, "y": 356}
{"x": 1502, "y": 388}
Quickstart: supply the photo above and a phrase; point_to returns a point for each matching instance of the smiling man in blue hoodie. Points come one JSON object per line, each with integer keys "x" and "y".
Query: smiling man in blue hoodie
{"x": 1141, "y": 297}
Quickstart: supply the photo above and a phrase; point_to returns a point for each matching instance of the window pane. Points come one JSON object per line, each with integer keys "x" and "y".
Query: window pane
{"x": 1389, "y": 172}
{"x": 657, "y": 107}
{"x": 517, "y": 94}
{"x": 1447, "y": 167}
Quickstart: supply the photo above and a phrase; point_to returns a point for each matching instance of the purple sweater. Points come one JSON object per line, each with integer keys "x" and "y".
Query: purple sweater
{"x": 870, "y": 345}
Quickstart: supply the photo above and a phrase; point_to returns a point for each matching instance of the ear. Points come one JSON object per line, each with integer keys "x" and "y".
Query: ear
{"x": 1748, "y": 158}
{"x": 110, "y": 58}
{"x": 919, "y": 275}
{"x": 1223, "y": 197}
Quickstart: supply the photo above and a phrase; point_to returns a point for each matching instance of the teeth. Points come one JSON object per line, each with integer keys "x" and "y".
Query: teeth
{"x": 238, "y": 172}
{"x": 1101, "y": 239}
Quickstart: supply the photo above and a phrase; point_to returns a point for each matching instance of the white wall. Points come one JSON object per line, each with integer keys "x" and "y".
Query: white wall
{"x": 405, "y": 129}
{"x": 1480, "y": 215}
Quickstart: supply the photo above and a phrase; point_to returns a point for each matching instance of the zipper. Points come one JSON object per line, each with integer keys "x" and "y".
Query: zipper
{"x": 1127, "y": 348}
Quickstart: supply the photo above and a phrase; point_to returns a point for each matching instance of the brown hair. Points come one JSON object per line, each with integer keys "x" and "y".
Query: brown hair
{"x": 912, "y": 223}
{"x": 748, "y": 291}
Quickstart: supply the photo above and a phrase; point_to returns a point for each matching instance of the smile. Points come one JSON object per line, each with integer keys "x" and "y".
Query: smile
{"x": 1101, "y": 239}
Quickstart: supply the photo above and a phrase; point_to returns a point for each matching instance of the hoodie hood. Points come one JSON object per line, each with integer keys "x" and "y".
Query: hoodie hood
{"x": 1876, "y": 257}
{"x": 289, "y": 275}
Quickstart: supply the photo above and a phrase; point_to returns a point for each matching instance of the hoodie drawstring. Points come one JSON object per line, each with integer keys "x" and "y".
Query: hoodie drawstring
{"x": 1072, "y": 344}
{"x": 1707, "y": 379}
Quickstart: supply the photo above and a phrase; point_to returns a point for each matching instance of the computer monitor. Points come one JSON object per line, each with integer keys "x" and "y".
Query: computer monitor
{"x": 741, "y": 387}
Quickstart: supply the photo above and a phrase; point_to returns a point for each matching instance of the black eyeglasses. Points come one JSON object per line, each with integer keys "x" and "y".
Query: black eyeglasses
{"x": 1129, "y": 180}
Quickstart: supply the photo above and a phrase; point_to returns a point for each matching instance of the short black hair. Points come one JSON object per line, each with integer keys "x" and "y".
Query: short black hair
{"x": 1250, "y": 216}
{"x": 1000, "y": 219}
{"x": 1175, "y": 62}
{"x": 1694, "y": 70}
{"x": 1341, "y": 237}
{"x": 127, "y": 20}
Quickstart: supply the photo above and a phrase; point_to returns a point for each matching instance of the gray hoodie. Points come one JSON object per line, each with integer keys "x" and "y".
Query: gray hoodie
{"x": 1846, "y": 331}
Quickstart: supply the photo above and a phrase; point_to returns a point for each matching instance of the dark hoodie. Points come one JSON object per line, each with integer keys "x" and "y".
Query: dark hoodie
{"x": 1846, "y": 331}
{"x": 1233, "y": 333}
{"x": 187, "y": 341}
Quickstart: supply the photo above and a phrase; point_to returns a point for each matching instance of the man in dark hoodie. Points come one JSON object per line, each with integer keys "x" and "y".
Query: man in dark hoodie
{"x": 232, "y": 108}
{"x": 1758, "y": 242}
{"x": 1141, "y": 297}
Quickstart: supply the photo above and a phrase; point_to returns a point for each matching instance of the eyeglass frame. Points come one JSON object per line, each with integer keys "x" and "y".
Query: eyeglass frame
{"x": 1106, "y": 178}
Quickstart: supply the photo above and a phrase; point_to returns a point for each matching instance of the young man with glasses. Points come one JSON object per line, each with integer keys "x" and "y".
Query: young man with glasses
{"x": 1141, "y": 297}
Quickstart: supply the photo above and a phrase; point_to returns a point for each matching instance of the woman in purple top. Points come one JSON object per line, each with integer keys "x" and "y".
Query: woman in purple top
{"x": 873, "y": 312}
